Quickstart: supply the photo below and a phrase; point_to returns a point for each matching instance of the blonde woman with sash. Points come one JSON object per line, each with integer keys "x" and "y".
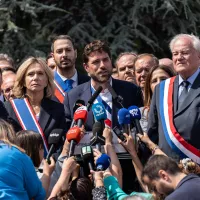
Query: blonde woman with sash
{"x": 33, "y": 108}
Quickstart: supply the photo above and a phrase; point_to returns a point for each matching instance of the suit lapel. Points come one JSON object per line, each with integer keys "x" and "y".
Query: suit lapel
{"x": 44, "y": 116}
{"x": 193, "y": 93}
{"x": 175, "y": 95}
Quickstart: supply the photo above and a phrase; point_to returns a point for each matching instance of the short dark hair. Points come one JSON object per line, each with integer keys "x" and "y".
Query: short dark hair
{"x": 96, "y": 45}
{"x": 81, "y": 188}
{"x": 31, "y": 142}
{"x": 49, "y": 56}
{"x": 157, "y": 163}
{"x": 6, "y": 69}
{"x": 61, "y": 37}
{"x": 154, "y": 58}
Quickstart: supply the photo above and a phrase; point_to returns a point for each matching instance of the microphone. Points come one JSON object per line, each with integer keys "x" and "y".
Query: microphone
{"x": 87, "y": 156}
{"x": 124, "y": 120}
{"x": 73, "y": 136}
{"x": 77, "y": 104}
{"x": 80, "y": 116}
{"x": 97, "y": 138}
{"x": 94, "y": 96}
{"x": 99, "y": 113}
{"x": 53, "y": 140}
{"x": 115, "y": 97}
{"x": 103, "y": 162}
{"x": 136, "y": 116}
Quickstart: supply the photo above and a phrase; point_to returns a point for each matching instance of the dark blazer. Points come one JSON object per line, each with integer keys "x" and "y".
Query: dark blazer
{"x": 131, "y": 94}
{"x": 3, "y": 112}
{"x": 82, "y": 78}
{"x": 51, "y": 116}
{"x": 186, "y": 118}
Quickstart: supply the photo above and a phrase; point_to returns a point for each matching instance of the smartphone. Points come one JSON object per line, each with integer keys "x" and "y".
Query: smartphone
{"x": 119, "y": 134}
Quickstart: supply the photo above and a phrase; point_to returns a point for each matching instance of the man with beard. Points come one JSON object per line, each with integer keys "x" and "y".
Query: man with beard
{"x": 97, "y": 62}
{"x": 125, "y": 66}
{"x": 66, "y": 76}
{"x": 163, "y": 176}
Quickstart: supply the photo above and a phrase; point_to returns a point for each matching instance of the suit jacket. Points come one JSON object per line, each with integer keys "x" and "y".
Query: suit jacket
{"x": 51, "y": 117}
{"x": 3, "y": 112}
{"x": 186, "y": 118}
{"x": 82, "y": 78}
{"x": 131, "y": 96}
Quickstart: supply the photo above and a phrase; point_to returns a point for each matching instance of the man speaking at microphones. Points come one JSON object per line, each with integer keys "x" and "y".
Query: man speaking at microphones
{"x": 97, "y": 62}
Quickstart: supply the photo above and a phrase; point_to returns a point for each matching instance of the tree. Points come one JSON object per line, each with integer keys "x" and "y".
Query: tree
{"x": 27, "y": 26}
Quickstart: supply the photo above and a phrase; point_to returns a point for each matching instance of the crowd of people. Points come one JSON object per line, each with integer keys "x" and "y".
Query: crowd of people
{"x": 55, "y": 143}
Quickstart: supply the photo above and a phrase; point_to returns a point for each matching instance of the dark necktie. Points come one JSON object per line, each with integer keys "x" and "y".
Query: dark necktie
{"x": 184, "y": 93}
{"x": 69, "y": 83}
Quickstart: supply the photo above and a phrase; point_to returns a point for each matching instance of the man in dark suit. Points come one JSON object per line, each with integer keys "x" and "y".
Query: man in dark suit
{"x": 66, "y": 76}
{"x": 3, "y": 112}
{"x": 97, "y": 62}
{"x": 177, "y": 130}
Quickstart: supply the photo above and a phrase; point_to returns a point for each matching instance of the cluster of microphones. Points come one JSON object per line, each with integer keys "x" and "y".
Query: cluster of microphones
{"x": 127, "y": 118}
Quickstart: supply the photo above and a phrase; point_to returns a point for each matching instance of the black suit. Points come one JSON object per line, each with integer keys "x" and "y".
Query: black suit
{"x": 82, "y": 78}
{"x": 186, "y": 118}
{"x": 3, "y": 112}
{"x": 51, "y": 117}
{"x": 131, "y": 96}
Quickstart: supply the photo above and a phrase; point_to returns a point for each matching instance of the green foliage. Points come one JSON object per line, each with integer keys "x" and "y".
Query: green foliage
{"x": 27, "y": 26}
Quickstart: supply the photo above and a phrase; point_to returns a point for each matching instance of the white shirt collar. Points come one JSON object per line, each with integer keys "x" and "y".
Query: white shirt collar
{"x": 74, "y": 78}
{"x": 105, "y": 90}
{"x": 191, "y": 79}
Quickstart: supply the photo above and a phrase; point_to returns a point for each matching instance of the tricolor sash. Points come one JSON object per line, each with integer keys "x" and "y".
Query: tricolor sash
{"x": 108, "y": 109}
{"x": 174, "y": 139}
{"x": 27, "y": 118}
{"x": 60, "y": 87}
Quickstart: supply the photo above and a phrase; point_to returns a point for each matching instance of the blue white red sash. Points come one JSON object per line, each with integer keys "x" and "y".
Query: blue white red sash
{"x": 27, "y": 118}
{"x": 174, "y": 139}
{"x": 108, "y": 109}
{"x": 60, "y": 87}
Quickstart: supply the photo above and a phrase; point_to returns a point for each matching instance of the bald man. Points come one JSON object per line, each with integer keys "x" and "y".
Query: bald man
{"x": 166, "y": 61}
{"x": 142, "y": 65}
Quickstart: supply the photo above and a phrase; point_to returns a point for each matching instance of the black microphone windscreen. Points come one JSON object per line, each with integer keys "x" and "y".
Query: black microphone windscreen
{"x": 55, "y": 136}
{"x": 97, "y": 128}
{"x": 78, "y": 104}
{"x": 94, "y": 96}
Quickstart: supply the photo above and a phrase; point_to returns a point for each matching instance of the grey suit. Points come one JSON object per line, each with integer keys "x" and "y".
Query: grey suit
{"x": 186, "y": 118}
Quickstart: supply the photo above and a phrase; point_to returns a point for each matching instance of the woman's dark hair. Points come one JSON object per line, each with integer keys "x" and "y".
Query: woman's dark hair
{"x": 147, "y": 88}
{"x": 31, "y": 142}
{"x": 81, "y": 189}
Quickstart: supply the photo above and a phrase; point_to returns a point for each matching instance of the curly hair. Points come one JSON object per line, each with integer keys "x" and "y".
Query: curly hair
{"x": 96, "y": 45}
